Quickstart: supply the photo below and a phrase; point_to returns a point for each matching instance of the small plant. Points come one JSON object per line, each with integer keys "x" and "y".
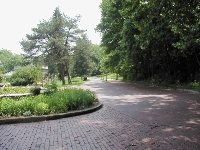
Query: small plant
{"x": 41, "y": 108}
{"x": 51, "y": 88}
{"x": 27, "y": 113}
{"x": 195, "y": 85}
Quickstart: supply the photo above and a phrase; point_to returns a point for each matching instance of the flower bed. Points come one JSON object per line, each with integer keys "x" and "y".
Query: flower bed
{"x": 58, "y": 102}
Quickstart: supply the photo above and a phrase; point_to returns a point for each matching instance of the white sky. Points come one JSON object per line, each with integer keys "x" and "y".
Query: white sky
{"x": 17, "y": 17}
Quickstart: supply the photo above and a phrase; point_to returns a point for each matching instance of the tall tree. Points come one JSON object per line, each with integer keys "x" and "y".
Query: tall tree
{"x": 111, "y": 25}
{"x": 53, "y": 40}
{"x": 82, "y": 57}
{"x": 97, "y": 55}
{"x": 151, "y": 39}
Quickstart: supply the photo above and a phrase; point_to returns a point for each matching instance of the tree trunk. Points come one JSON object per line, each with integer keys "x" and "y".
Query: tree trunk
{"x": 61, "y": 68}
{"x": 68, "y": 77}
{"x": 117, "y": 76}
{"x": 63, "y": 75}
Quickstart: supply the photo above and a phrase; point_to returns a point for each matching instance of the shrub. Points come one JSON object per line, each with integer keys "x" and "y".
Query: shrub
{"x": 41, "y": 108}
{"x": 26, "y": 75}
{"x": 59, "y": 102}
{"x": 51, "y": 88}
{"x": 195, "y": 85}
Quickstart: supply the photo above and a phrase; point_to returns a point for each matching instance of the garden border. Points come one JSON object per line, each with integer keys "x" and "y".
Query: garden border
{"x": 51, "y": 116}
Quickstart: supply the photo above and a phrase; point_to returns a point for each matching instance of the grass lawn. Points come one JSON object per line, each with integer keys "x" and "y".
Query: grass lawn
{"x": 111, "y": 76}
{"x": 189, "y": 86}
{"x": 75, "y": 81}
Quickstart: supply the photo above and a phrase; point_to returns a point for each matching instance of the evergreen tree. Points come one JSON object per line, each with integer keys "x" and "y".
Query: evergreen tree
{"x": 53, "y": 40}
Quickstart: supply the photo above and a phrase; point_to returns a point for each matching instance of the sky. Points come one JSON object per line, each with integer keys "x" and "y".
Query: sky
{"x": 17, "y": 17}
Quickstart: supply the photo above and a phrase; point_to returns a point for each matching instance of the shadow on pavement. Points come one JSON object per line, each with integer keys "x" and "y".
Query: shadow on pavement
{"x": 172, "y": 116}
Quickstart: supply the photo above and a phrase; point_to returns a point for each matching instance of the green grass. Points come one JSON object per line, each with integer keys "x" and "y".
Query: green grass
{"x": 111, "y": 76}
{"x": 77, "y": 81}
{"x": 14, "y": 90}
{"x": 59, "y": 102}
{"x": 190, "y": 86}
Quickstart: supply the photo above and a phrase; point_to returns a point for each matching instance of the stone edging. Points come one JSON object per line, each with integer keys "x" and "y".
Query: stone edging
{"x": 50, "y": 117}
{"x": 18, "y": 95}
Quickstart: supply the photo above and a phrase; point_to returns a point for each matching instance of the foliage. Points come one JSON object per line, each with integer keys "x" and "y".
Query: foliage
{"x": 59, "y": 102}
{"x": 195, "y": 85}
{"x": 82, "y": 61}
{"x": 114, "y": 76}
{"x": 26, "y": 75}
{"x": 54, "y": 39}
{"x": 10, "y": 60}
{"x": 1, "y": 77}
{"x": 77, "y": 81}
{"x": 151, "y": 39}
{"x": 96, "y": 57}
{"x": 14, "y": 90}
{"x": 51, "y": 88}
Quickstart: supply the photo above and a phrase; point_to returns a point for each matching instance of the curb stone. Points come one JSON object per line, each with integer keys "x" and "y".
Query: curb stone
{"x": 51, "y": 116}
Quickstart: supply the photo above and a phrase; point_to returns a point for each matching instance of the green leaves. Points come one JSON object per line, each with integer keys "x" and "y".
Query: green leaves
{"x": 58, "y": 102}
{"x": 82, "y": 57}
{"x": 8, "y": 60}
{"x": 26, "y": 75}
{"x": 154, "y": 39}
{"x": 53, "y": 40}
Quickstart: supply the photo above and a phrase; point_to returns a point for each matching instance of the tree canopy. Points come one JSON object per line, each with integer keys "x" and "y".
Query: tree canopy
{"x": 9, "y": 60}
{"x": 53, "y": 39}
{"x": 150, "y": 39}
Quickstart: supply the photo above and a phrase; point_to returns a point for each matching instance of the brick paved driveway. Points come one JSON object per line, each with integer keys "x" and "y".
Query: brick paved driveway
{"x": 132, "y": 118}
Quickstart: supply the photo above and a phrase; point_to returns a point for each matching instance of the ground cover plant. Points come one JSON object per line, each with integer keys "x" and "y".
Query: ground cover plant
{"x": 77, "y": 81}
{"x": 74, "y": 81}
{"x": 58, "y": 102}
{"x": 14, "y": 90}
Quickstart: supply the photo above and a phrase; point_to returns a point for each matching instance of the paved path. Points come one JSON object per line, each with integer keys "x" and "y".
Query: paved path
{"x": 133, "y": 117}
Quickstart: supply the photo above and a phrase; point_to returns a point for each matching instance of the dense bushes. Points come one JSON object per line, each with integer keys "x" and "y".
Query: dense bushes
{"x": 26, "y": 75}
{"x": 59, "y": 102}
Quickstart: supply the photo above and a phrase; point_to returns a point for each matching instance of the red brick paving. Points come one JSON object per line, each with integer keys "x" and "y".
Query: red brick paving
{"x": 104, "y": 129}
{"x": 132, "y": 118}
